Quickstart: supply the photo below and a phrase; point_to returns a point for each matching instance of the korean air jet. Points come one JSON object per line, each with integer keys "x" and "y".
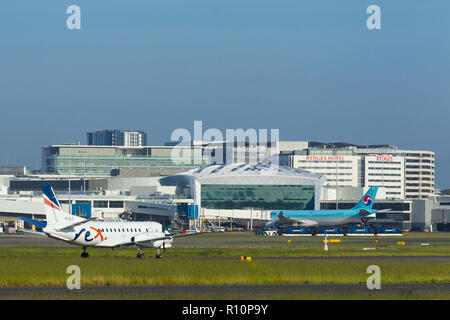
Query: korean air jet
{"x": 315, "y": 218}
{"x": 89, "y": 233}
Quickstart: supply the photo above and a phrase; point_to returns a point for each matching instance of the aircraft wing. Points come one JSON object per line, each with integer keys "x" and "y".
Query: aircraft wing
{"x": 301, "y": 222}
{"x": 365, "y": 213}
{"x": 285, "y": 220}
{"x": 307, "y": 223}
{"x": 384, "y": 210}
{"x": 150, "y": 242}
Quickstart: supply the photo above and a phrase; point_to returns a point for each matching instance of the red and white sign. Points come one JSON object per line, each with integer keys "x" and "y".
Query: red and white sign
{"x": 325, "y": 158}
{"x": 385, "y": 158}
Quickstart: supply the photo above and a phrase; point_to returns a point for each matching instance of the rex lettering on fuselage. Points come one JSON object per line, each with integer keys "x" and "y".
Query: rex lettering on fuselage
{"x": 86, "y": 236}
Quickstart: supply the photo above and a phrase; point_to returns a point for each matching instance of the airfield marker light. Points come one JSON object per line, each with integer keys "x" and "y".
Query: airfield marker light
{"x": 289, "y": 241}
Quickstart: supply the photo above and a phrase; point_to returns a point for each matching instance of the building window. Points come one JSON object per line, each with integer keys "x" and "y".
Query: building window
{"x": 116, "y": 204}
{"x": 82, "y": 202}
{"x": 100, "y": 204}
{"x": 264, "y": 197}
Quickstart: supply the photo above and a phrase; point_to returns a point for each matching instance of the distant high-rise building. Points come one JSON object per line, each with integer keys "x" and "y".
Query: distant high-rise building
{"x": 406, "y": 174}
{"x": 127, "y": 138}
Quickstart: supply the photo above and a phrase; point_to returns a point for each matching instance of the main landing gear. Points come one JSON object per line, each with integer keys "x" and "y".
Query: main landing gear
{"x": 140, "y": 254}
{"x": 364, "y": 222}
{"x": 158, "y": 253}
{"x": 84, "y": 254}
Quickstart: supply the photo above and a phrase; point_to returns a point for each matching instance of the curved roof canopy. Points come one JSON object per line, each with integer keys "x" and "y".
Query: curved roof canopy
{"x": 239, "y": 170}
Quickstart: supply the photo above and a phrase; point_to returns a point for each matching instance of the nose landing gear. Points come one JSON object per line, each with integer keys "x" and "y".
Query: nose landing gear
{"x": 84, "y": 254}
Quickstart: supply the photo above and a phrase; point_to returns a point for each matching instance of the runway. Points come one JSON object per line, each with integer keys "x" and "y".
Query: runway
{"x": 430, "y": 259}
{"x": 28, "y": 240}
{"x": 234, "y": 240}
{"x": 158, "y": 291}
{"x": 39, "y": 241}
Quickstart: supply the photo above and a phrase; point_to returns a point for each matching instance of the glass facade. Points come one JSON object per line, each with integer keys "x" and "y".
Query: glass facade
{"x": 102, "y": 165}
{"x": 264, "y": 197}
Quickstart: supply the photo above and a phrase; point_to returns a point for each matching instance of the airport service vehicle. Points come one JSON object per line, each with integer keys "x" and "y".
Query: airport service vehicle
{"x": 315, "y": 218}
{"x": 217, "y": 229}
{"x": 89, "y": 233}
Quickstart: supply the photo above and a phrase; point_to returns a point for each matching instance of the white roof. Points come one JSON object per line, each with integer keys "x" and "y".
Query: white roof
{"x": 244, "y": 169}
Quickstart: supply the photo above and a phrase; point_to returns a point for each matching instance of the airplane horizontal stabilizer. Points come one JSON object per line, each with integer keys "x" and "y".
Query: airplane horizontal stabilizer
{"x": 38, "y": 233}
{"x": 75, "y": 224}
{"x": 37, "y": 223}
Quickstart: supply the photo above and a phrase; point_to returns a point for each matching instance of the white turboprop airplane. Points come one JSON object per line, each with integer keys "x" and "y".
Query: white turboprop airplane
{"x": 88, "y": 233}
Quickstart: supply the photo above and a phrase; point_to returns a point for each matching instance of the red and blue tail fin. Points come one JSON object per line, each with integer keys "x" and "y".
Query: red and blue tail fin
{"x": 368, "y": 199}
{"x": 50, "y": 197}
{"x": 56, "y": 217}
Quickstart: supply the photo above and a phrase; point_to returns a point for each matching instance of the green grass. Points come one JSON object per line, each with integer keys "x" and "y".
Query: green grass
{"x": 103, "y": 271}
{"x": 285, "y": 250}
{"x": 185, "y": 264}
{"x": 46, "y": 267}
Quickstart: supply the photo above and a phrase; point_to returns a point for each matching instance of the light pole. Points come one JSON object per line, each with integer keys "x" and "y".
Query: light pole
{"x": 337, "y": 201}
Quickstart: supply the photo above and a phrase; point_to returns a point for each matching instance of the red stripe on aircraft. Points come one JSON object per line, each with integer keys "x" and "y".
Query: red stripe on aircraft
{"x": 51, "y": 204}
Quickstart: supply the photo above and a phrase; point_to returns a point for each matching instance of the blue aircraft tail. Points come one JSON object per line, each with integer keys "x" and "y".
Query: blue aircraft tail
{"x": 367, "y": 200}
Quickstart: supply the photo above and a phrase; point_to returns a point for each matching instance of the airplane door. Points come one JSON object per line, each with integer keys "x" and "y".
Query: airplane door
{"x": 122, "y": 232}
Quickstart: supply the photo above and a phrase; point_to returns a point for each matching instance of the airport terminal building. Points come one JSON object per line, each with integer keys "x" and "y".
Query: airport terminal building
{"x": 91, "y": 160}
{"x": 405, "y": 174}
{"x": 246, "y": 191}
{"x": 311, "y": 176}
{"x": 136, "y": 161}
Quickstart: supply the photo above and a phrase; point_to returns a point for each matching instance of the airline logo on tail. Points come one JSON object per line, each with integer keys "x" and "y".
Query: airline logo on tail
{"x": 50, "y": 198}
{"x": 367, "y": 200}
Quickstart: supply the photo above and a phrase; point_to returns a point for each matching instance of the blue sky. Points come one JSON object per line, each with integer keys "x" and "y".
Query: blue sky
{"x": 309, "y": 68}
